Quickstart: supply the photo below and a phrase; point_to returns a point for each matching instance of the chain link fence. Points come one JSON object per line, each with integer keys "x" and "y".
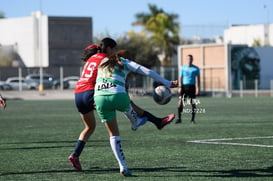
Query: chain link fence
{"x": 142, "y": 85}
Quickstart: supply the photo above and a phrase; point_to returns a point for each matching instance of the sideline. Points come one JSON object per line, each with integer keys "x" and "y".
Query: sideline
{"x": 221, "y": 141}
{"x": 39, "y": 95}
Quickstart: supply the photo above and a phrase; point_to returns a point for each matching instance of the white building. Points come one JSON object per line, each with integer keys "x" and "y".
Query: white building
{"x": 249, "y": 34}
{"x": 23, "y": 34}
{"x": 41, "y": 40}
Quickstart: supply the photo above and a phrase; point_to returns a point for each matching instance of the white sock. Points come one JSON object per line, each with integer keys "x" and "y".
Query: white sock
{"x": 117, "y": 150}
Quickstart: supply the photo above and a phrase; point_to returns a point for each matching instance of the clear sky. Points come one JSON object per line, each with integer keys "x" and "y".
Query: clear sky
{"x": 205, "y": 18}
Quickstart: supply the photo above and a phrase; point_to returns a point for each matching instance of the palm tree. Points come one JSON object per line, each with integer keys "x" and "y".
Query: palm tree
{"x": 162, "y": 28}
{"x": 2, "y": 14}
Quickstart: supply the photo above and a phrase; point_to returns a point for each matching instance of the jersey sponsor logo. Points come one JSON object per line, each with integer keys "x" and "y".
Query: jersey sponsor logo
{"x": 106, "y": 85}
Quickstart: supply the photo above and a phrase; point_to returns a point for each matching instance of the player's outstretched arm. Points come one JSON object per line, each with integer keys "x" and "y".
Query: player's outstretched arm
{"x": 148, "y": 72}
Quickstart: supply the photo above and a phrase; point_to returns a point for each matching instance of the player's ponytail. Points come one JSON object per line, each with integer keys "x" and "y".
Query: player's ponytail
{"x": 90, "y": 51}
{"x": 125, "y": 54}
{"x": 114, "y": 60}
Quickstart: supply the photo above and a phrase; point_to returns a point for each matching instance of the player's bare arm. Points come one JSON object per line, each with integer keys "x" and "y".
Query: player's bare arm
{"x": 198, "y": 85}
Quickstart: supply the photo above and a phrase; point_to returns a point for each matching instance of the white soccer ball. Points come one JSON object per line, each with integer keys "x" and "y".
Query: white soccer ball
{"x": 162, "y": 95}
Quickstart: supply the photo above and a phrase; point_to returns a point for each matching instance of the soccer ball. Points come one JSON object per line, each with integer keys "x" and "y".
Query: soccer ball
{"x": 162, "y": 95}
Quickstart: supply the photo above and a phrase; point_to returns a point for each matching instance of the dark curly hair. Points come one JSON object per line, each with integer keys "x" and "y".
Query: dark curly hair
{"x": 89, "y": 51}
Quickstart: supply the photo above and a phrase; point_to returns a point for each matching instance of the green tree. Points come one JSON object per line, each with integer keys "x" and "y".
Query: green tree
{"x": 2, "y": 14}
{"x": 257, "y": 42}
{"x": 140, "y": 48}
{"x": 5, "y": 61}
{"x": 162, "y": 29}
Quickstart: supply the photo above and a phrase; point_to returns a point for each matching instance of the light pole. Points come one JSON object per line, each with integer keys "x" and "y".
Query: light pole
{"x": 266, "y": 27}
{"x": 40, "y": 55}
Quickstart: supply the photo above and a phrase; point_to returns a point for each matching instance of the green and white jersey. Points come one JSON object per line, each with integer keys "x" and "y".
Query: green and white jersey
{"x": 108, "y": 83}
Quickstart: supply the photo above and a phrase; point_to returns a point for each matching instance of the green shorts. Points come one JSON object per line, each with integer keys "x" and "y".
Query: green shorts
{"x": 107, "y": 105}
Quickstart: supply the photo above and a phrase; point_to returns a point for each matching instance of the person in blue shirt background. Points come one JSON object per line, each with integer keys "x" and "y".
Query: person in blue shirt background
{"x": 189, "y": 75}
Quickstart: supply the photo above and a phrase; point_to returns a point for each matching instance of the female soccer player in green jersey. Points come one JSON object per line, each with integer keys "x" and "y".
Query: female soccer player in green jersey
{"x": 111, "y": 95}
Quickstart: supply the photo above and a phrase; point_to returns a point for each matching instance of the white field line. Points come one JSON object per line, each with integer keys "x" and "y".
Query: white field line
{"x": 220, "y": 141}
